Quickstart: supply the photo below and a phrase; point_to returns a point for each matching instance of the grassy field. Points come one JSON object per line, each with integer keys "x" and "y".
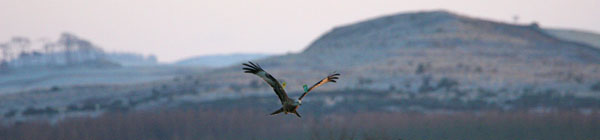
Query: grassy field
{"x": 248, "y": 124}
{"x": 43, "y": 77}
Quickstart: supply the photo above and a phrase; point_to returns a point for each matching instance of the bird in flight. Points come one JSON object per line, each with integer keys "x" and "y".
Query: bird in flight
{"x": 288, "y": 105}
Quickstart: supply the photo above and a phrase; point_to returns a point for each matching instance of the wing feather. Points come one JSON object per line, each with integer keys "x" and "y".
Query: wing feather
{"x": 330, "y": 78}
{"x": 258, "y": 71}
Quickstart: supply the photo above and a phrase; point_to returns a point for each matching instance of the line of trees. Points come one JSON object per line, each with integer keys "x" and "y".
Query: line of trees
{"x": 69, "y": 49}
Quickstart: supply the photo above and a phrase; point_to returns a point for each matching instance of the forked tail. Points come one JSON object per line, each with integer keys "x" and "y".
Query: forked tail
{"x": 277, "y": 111}
{"x": 281, "y": 110}
{"x": 297, "y": 114}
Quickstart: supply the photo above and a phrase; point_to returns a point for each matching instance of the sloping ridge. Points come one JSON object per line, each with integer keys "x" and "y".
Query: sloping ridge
{"x": 577, "y": 36}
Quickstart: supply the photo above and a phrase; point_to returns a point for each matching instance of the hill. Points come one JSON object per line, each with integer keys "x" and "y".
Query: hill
{"x": 71, "y": 60}
{"x": 68, "y": 50}
{"x": 405, "y": 51}
{"x": 586, "y": 37}
{"x": 214, "y": 61}
{"x": 430, "y": 61}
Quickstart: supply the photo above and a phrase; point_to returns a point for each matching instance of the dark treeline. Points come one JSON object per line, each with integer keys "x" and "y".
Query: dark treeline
{"x": 247, "y": 124}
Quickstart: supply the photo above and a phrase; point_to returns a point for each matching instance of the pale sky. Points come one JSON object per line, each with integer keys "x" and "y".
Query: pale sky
{"x": 176, "y": 29}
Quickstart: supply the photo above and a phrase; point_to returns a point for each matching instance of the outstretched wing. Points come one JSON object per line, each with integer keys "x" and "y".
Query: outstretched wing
{"x": 330, "y": 78}
{"x": 258, "y": 71}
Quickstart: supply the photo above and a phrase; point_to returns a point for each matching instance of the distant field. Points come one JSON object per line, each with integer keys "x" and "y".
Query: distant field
{"x": 249, "y": 124}
{"x": 24, "y": 79}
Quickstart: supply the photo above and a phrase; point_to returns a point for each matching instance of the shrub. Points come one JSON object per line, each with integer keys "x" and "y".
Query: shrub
{"x": 596, "y": 86}
{"x": 425, "y": 86}
{"x": 420, "y": 69}
{"x": 447, "y": 83}
{"x": 55, "y": 88}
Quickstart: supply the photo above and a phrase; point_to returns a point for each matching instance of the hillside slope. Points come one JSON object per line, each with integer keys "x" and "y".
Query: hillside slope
{"x": 576, "y": 35}
{"x": 422, "y": 61}
{"x": 426, "y": 61}
{"x": 215, "y": 61}
{"x": 405, "y": 50}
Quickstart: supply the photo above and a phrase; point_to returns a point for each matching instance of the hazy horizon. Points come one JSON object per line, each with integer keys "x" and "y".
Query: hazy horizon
{"x": 182, "y": 29}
